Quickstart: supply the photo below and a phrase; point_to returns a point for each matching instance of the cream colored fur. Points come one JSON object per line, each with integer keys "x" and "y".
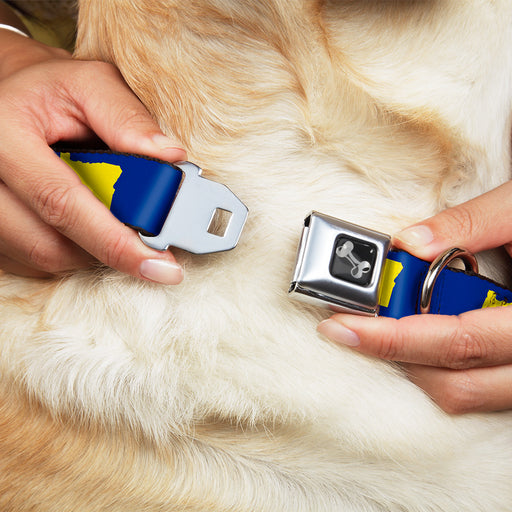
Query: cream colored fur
{"x": 218, "y": 395}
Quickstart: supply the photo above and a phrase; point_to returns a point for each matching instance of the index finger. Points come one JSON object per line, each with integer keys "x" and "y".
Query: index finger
{"x": 473, "y": 339}
{"x": 117, "y": 115}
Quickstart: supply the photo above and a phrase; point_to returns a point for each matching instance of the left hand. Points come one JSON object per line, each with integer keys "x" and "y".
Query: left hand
{"x": 50, "y": 222}
{"x": 463, "y": 362}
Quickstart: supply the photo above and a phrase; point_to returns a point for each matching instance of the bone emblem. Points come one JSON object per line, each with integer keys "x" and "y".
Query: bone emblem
{"x": 358, "y": 267}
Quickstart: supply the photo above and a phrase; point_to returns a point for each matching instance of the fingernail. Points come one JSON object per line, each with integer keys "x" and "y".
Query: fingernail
{"x": 338, "y": 333}
{"x": 164, "y": 143}
{"x": 161, "y": 271}
{"x": 416, "y": 236}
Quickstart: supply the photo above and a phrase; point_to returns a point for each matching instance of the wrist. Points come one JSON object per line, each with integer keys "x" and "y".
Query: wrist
{"x": 11, "y": 28}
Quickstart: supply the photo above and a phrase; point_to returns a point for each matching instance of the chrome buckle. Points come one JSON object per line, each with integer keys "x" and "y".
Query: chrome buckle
{"x": 188, "y": 224}
{"x": 339, "y": 265}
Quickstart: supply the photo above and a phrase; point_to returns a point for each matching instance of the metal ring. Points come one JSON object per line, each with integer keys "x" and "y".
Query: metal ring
{"x": 437, "y": 266}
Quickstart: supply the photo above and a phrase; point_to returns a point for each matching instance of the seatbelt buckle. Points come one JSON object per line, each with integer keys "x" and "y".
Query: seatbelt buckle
{"x": 339, "y": 265}
{"x": 193, "y": 212}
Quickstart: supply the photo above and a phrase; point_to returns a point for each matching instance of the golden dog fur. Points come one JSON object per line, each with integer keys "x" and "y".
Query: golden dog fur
{"x": 218, "y": 395}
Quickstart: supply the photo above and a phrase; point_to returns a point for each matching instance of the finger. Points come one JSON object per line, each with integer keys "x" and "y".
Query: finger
{"x": 463, "y": 391}
{"x": 118, "y": 117}
{"x": 473, "y": 339}
{"x": 475, "y": 225}
{"x": 60, "y": 200}
{"x": 28, "y": 241}
{"x": 15, "y": 267}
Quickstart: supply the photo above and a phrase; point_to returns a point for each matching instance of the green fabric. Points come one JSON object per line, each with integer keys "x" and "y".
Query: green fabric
{"x": 59, "y": 32}
{"x": 52, "y": 22}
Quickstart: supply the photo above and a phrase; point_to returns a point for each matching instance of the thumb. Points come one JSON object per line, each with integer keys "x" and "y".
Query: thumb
{"x": 479, "y": 224}
{"x": 119, "y": 118}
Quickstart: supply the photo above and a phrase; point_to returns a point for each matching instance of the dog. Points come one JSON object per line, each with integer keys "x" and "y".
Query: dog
{"x": 218, "y": 394}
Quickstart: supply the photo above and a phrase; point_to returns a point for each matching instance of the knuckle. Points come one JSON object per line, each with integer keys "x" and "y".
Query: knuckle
{"x": 389, "y": 347}
{"x": 460, "y": 394}
{"x": 133, "y": 117}
{"x": 80, "y": 86}
{"x": 464, "y": 349}
{"x": 54, "y": 203}
{"x": 385, "y": 349}
{"x": 42, "y": 257}
{"x": 116, "y": 248}
{"x": 461, "y": 220}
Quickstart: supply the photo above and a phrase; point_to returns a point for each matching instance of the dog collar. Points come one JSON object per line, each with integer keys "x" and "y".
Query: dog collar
{"x": 352, "y": 269}
{"x": 169, "y": 204}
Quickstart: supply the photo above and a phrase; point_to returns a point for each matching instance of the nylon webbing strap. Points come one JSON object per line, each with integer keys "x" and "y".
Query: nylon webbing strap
{"x": 455, "y": 291}
{"x": 170, "y": 204}
{"x": 138, "y": 191}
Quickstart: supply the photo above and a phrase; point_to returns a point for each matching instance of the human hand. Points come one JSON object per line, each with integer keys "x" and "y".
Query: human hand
{"x": 49, "y": 221}
{"x": 463, "y": 362}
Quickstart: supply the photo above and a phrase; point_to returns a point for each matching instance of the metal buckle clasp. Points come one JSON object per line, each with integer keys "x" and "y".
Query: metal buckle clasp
{"x": 187, "y": 225}
{"x": 339, "y": 265}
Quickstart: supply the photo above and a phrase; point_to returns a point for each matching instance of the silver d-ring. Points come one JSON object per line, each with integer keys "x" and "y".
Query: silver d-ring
{"x": 437, "y": 266}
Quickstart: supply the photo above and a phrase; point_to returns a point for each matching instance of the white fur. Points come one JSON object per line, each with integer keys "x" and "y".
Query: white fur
{"x": 295, "y": 423}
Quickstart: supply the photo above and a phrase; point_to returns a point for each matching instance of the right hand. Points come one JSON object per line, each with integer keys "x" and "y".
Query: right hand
{"x": 463, "y": 362}
{"x": 49, "y": 221}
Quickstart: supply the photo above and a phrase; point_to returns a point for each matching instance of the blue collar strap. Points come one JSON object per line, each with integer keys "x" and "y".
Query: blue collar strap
{"x": 170, "y": 205}
{"x": 351, "y": 269}
{"x": 453, "y": 292}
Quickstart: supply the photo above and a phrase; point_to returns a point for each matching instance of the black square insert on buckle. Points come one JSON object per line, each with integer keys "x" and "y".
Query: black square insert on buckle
{"x": 353, "y": 260}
